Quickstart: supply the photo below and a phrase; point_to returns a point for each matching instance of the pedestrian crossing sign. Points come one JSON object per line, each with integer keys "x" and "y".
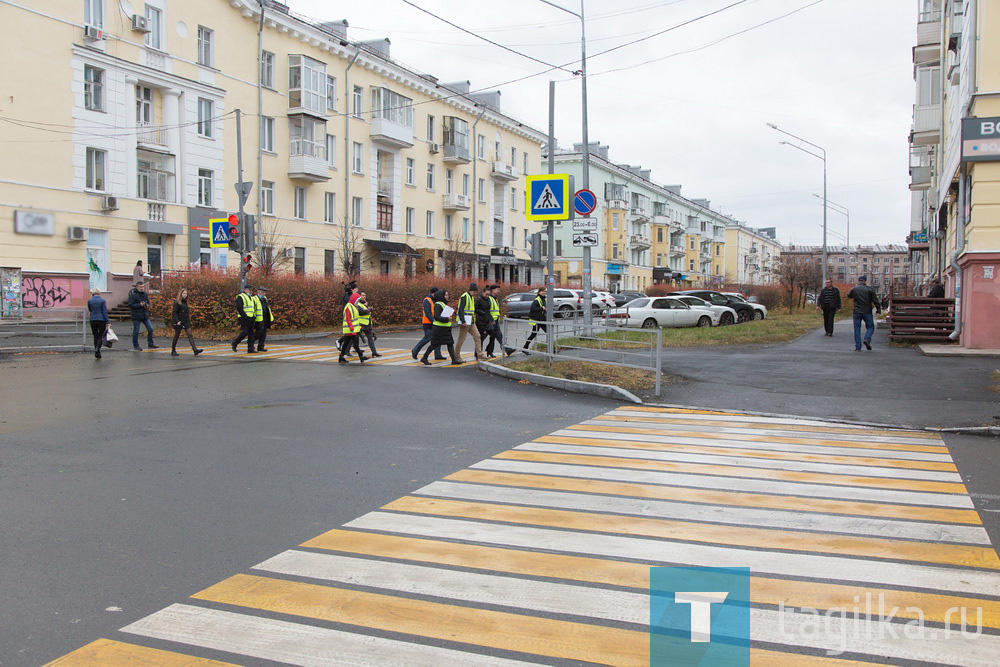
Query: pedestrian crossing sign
{"x": 219, "y": 236}
{"x": 548, "y": 197}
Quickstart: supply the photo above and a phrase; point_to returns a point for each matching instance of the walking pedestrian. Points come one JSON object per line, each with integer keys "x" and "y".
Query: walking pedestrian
{"x": 263, "y": 317}
{"x": 484, "y": 319}
{"x": 138, "y": 303}
{"x": 246, "y": 313}
{"x": 98, "y": 308}
{"x": 467, "y": 321}
{"x": 350, "y": 289}
{"x": 138, "y": 275}
{"x": 427, "y": 322}
{"x": 829, "y": 302}
{"x": 443, "y": 316}
{"x": 496, "y": 335}
{"x": 351, "y": 329}
{"x": 536, "y": 318}
{"x": 865, "y": 299}
{"x": 182, "y": 320}
{"x": 365, "y": 319}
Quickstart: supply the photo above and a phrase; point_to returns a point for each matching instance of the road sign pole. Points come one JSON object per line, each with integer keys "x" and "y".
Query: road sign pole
{"x": 550, "y": 287}
{"x": 245, "y": 233}
{"x": 588, "y": 314}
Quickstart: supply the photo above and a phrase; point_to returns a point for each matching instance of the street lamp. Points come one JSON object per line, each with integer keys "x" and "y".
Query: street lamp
{"x": 822, "y": 157}
{"x": 840, "y": 208}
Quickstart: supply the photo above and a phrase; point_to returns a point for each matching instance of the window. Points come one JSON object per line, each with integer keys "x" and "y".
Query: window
{"x": 267, "y": 197}
{"x": 456, "y": 133}
{"x": 358, "y": 162}
{"x": 841, "y": 260}
{"x": 447, "y": 226}
{"x": 96, "y": 161}
{"x": 465, "y": 229}
{"x": 513, "y": 157}
{"x": 204, "y": 187}
{"x": 331, "y": 93}
{"x": 383, "y": 216}
{"x": 659, "y": 234}
{"x": 143, "y": 105}
{"x": 93, "y": 88}
{"x": 356, "y": 206}
{"x": 449, "y": 178}
{"x": 307, "y": 136}
{"x": 928, "y": 86}
{"x": 154, "y": 173}
{"x": 267, "y": 134}
{"x": 614, "y": 221}
{"x": 876, "y": 260}
{"x": 885, "y": 270}
{"x": 430, "y": 176}
{"x": 429, "y": 225}
{"x": 430, "y": 128}
{"x": 306, "y": 84}
{"x": 409, "y": 220}
{"x": 300, "y": 261}
{"x": 525, "y": 156}
{"x": 206, "y": 51}
{"x": 482, "y": 228}
{"x": 481, "y": 147}
{"x": 205, "y": 117}
{"x": 330, "y": 207}
{"x": 718, "y": 250}
{"x": 331, "y": 151}
{"x": 525, "y": 246}
{"x": 614, "y": 191}
{"x": 690, "y": 265}
{"x": 392, "y": 106}
{"x": 329, "y": 262}
{"x": 466, "y": 184}
{"x": 482, "y": 189}
{"x": 659, "y": 259}
{"x": 513, "y": 236}
{"x": 410, "y": 169}
{"x": 299, "y": 203}
{"x": 358, "y": 101}
{"x": 267, "y": 69}
{"x": 614, "y": 251}
{"x": 93, "y": 13}
{"x": 154, "y": 19}
{"x": 513, "y": 199}
{"x": 692, "y": 243}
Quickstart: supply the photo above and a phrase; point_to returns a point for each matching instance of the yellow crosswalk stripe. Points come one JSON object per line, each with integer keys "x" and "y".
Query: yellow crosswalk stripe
{"x": 108, "y": 653}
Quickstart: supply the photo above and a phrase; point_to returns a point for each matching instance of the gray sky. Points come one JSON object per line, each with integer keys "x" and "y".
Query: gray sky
{"x": 837, "y": 73}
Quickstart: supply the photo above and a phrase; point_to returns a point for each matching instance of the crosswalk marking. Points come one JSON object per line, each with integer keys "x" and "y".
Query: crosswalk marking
{"x": 320, "y": 354}
{"x": 108, "y": 652}
{"x": 543, "y": 552}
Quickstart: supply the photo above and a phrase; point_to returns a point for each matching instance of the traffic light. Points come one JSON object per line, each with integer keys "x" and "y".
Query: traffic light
{"x": 235, "y": 240}
{"x": 247, "y": 262}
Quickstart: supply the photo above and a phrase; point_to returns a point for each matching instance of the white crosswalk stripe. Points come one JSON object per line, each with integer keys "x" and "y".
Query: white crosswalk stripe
{"x": 320, "y": 354}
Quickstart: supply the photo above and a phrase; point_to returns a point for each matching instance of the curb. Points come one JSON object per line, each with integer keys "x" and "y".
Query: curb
{"x": 44, "y": 348}
{"x": 576, "y": 386}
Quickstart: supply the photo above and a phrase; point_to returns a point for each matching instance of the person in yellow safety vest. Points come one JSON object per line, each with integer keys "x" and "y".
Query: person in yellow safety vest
{"x": 496, "y": 335}
{"x": 365, "y": 318}
{"x": 536, "y": 318}
{"x": 442, "y": 330}
{"x": 352, "y": 327}
{"x": 263, "y": 317}
{"x": 467, "y": 321}
{"x": 246, "y": 312}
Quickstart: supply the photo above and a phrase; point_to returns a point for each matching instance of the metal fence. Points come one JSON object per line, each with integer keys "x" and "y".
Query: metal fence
{"x": 50, "y": 322}
{"x": 567, "y": 339}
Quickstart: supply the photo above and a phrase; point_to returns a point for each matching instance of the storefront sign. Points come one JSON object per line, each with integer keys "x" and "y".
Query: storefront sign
{"x": 32, "y": 222}
{"x": 981, "y": 139}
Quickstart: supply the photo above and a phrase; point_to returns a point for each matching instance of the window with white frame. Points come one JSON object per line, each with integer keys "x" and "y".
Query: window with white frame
{"x": 331, "y": 93}
{"x": 513, "y": 199}
{"x": 481, "y": 147}
{"x": 391, "y": 106}
{"x": 466, "y": 184}
{"x": 481, "y": 231}
{"x": 206, "y": 46}
{"x": 356, "y": 207}
{"x": 447, "y": 226}
{"x": 429, "y": 224}
{"x": 614, "y": 221}
{"x": 267, "y": 134}
{"x": 455, "y": 132}
{"x": 93, "y": 13}
{"x": 411, "y": 168}
{"x": 482, "y": 189}
{"x": 465, "y": 229}
{"x": 525, "y": 156}
{"x": 307, "y": 136}
{"x": 358, "y": 101}
{"x": 154, "y": 21}
{"x": 306, "y": 84}
{"x": 205, "y": 120}
{"x": 299, "y": 203}
{"x": 525, "y": 239}
{"x": 928, "y": 86}
{"x": 409, "y": 220}
{"x": 449, "y": 178}
{"x": 430, "y": 128}
{"x": 330, "y": 207}
{"x": 513, "y": 157}
{"x": 205, "y": 178}
{"x": 267, "y": 69}
{"x": 93, "y": 88}
{"x": 267, "y": 197}
{"x": 358, "y": 164}
{"x": 430, "y": 176}
{"x": 143, "y": 105}
{"x": 96, "y": 169}
{"x": 513, "y": 236}
{"x": 155, "y": 175}
{"x": 331, "y": 151}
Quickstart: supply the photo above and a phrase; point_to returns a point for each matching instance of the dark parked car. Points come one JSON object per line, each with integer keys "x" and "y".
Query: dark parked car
{"x": 624, "y": 297}
{"x": 518, "y": 304}
{"x": 744, "y": 311}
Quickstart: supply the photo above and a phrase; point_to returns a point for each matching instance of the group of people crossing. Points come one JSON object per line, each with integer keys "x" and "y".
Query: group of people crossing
{"x": 255, "y": 317}
{"x": 477, "y": 315}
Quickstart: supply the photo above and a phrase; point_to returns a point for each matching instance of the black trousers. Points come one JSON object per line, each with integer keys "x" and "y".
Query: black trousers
{"x": 98, "y": 327}
{"x": 246, "y": 331}
{"x": 828, "y": 315}
{"x": 436, "y": 347}
{"x": 260, "y": 331}
{"x": 177, "y": 335}
{"x": 535, "y": 328}
{"x": 369, "y": 337}
{"x": 348, "y": 343}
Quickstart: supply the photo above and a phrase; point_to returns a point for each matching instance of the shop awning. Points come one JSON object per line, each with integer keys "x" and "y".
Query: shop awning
{"x": 392, "y": 248}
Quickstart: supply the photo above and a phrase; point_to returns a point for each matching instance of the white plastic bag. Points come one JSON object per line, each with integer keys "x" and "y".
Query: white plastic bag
{"x": 109, "y": 335}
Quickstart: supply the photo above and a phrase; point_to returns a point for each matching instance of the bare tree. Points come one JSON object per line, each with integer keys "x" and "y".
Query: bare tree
{"x": 273, "y": 248}
{"x": 351, "y": 243}
{"x": 457, "y": 254}
{"x": 791, "y": 272}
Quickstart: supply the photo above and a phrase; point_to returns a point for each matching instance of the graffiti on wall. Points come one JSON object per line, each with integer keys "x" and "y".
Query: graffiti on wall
{"x": 45, "y": 292}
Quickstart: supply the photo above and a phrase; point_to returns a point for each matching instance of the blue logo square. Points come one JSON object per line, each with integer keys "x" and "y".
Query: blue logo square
{"x": 699, "y": 616}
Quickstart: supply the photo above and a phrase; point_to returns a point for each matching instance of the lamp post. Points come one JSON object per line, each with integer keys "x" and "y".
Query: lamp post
{"x": 821, "y": 156}
{"x": 840, "y": 208}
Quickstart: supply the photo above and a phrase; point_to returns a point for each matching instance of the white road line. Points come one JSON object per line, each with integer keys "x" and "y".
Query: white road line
{"x": 294, "y": 643}
{"x": 804, "y": 489}
{"x": 746, "y": 462}
{"x": 736, "y": 417}
{"x": 810, "y": 566}
{"x": 686, "y": 511}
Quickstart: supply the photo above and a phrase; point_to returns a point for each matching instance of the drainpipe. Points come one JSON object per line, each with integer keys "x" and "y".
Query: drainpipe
{"x": 347, "y": 146}
{"x": 475, "y": 189}
{"x": 260, "y": 116}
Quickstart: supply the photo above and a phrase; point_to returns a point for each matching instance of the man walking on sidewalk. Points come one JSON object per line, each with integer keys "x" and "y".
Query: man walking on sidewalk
{"x": 865, "y": 299}
{"x": 138, "y": 303}
{"x": 467, "y": 321}
{"x": 829, "y": 302}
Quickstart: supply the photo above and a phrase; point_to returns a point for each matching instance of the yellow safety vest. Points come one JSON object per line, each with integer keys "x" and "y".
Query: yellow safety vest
{"x": 270, "y": 313}
{"x": 354, "y": 326}
{"x": 248, "y": 305}
{"x": 436, "y": 322}
{"x": 541, "y": 302}
{"x": 494, "y": 309}
{"x": 468, "y": 305}
{"x": 364, "y": 314}
{"x": 258, "y": 309}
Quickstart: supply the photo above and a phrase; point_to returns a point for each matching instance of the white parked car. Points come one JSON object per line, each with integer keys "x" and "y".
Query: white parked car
{"x": 760, "y": 310}
{"x": 660, "y": 311}
{"x": 721, "y": 315}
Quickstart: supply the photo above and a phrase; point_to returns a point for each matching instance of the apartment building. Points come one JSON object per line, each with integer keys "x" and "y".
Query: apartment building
{"x": 752, "y": 255}
{"x": 356, "y": 161}
{"x": 955, "y": 161}
{"x": 888, "y": 267}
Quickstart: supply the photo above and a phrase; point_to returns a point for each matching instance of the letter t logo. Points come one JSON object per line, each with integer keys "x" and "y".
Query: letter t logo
{"x": 701, "y": 607}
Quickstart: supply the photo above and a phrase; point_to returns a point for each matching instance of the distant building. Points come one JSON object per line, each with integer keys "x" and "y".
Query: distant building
{"x": 752, "y": 255}
{"x": 888, "y": 267}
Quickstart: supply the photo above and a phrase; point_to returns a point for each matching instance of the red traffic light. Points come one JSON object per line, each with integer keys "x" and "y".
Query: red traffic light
{"x": 234, "y": 220}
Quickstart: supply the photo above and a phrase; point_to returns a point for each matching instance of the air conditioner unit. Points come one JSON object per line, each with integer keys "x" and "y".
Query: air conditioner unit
{"x": 288, "y": 252}
{"x": 140, "y": 23}
{"x": 109, "y": 203}
{"x": 435, "y": 148}
{"x": 92, "y": 33}
{"x": 77, "y": 233}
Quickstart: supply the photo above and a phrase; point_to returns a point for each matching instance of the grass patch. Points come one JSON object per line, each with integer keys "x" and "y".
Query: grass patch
{"x": 631, "y": 379}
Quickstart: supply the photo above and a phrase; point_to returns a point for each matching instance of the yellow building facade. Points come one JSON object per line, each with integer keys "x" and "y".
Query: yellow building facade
{"x": 752, "y": 255}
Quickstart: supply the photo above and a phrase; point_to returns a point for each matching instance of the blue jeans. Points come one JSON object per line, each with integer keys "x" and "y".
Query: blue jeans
{"x": 135, "y": 331}
{"x": 869, "y": 328}
{"x": 428, "y": 330}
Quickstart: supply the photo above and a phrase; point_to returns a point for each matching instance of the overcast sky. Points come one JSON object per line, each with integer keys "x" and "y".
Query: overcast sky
{"x": 692, "y": 108}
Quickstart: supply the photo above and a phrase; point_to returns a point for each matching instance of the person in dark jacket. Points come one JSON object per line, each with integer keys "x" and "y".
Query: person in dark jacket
{"x": 865, "y": 298}
{"x": 936, "y": 290}
{"x": 365, "y": 318}
{"x": 138, "y": 303}
{"x": 427, "y": 322}
{"x": 262, "y": 319}
{"x": 246, "y": 310}
{"x": 98, "y": 308}
{"x": 484, "y": 320}
{"x": 829, "y": 302}
{"x": 181, "y": 318}
{"x": 536, "y": 317}
{"x": 442, "y": 330}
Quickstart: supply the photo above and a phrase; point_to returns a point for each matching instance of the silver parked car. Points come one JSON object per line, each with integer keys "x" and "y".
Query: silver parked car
{"x": 661, "y": 311}
{"x": 721, "y": 315}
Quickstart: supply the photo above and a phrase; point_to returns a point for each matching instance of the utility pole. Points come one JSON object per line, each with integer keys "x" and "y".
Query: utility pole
{"x": 550, "y": 226}
{"x": 248, "y": 236}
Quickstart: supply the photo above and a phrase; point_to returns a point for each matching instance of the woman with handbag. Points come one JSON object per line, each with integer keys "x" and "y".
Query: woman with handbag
{"x": 182, "y": 320}
{"x": 99, "y": 321}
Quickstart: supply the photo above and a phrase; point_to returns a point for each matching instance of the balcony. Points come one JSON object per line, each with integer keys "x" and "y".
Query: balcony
{"x": 676, "y": 250}
{"x": 498, "y": 211}
{"x": 640, "y": 213}
{"x": 385, "y": 187}
{"x": 920, "y": 178}
{"x": 502, "y": 171}
{"x": 929, "y": 28}
{"x": 151, "y": 135}
{"x": 659, "y": 219}
{"x": 391, "y": 133}
{"x": 453, "y": 154}
{"x": 456, "y": 202}
{"x": 918, "y": 241}
{"x": 926, "y": 125}
{"x": 638, "y": 241}
{"x": 307, "y": 162}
